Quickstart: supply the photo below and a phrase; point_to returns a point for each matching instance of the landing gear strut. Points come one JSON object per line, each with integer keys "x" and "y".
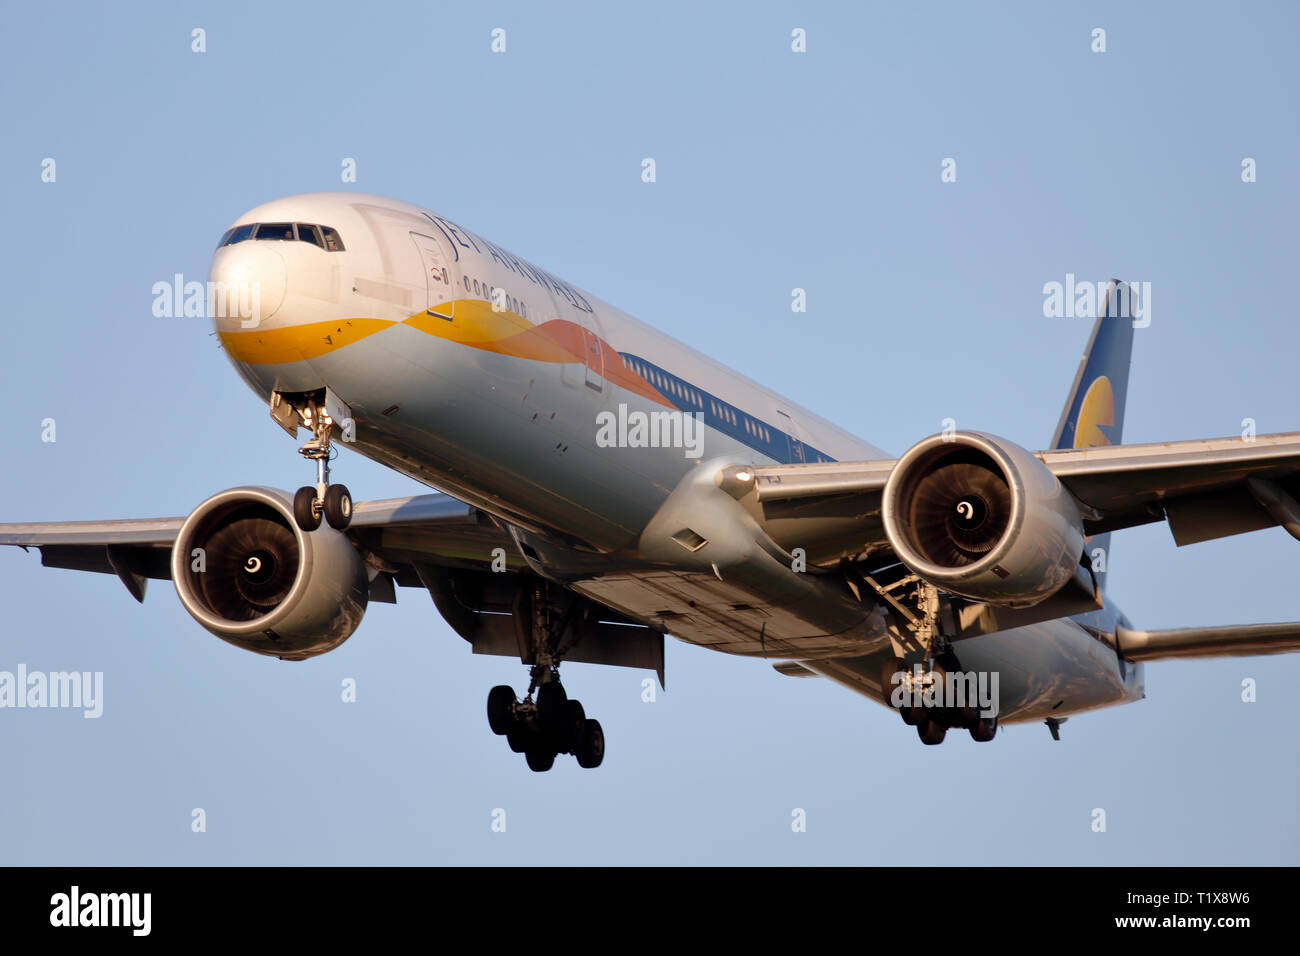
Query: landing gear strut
{"x": 332, "y": 502}
{"x": 546, "y": 722}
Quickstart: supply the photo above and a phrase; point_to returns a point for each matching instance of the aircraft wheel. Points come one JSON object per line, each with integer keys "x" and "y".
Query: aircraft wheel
{"x": 984, "y": 729}
{"x": 500, "y": 709}
{"x": 552, "y": 708}
{"x": 570, "y": 736}
{"x": 519, "y": 737}
{"x": 338, "y": 507}
{"x": 941, "y": 713}
{"x": 931, "y": 732}
{"x": 591, "y": 745}
{"x": 304, "y": 509}
{"x": 540, "y": 760}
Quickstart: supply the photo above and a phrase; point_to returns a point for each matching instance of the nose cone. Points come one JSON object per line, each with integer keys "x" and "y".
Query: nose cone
{"x": 249, "y": 278}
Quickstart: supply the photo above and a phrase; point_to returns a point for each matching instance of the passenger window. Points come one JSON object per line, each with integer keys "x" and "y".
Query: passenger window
{"x": 308, "y": 233}
{"x": 274, "y": 230}
{"x": 332, "y": 240}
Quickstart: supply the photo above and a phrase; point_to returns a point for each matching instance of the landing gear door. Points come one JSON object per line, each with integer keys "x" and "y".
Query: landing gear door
{"x": 437, "y": 278}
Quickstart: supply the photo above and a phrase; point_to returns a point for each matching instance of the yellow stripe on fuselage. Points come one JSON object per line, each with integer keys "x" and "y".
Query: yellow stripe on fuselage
{"x": 475, "y": 324}
{"x": 298, "y": 343}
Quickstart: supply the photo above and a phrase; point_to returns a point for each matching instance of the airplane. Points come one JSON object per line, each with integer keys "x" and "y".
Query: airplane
{"x": 599, "y": 485}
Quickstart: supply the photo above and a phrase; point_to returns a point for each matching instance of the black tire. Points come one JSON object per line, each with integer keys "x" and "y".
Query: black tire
{"x": 940, "y": 714}
{"x": 501, "y": 709}
{"x": 338, "y": 507}
{"x": 591, "y": 745}
{"x": 540, "y": 761}
{"x": 519, "y": 737}
{"x": 571, "y": 734}
{"x": 552, "y": 708}
{"x": 984, "y": 729}
{"x": 304, "y": 511}
{"x": 931, "y": 732}
{"x": 968, "y": 714}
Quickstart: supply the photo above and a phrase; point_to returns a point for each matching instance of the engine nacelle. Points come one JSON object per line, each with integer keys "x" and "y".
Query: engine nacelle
{"x": 261, "y": 582}
{"x": 980, "y": 516}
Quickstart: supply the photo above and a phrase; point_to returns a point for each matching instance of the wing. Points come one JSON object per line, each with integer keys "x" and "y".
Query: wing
{"x": 432, "y": 542}
{"x": 1204, "y": 489}
{"x": 398, "y": 534}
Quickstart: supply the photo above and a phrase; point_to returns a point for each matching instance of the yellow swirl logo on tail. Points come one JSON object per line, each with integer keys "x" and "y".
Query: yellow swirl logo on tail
{"x": 1096, "y": 412}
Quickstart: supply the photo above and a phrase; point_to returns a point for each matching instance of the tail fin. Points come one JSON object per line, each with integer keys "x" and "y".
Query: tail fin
{"x": 1094, "y": 409}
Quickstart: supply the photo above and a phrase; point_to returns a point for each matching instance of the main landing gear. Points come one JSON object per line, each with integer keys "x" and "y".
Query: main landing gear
{"x": 543, "y": 726}
{"x": 546, "y": 722}
{"x": 933, "y": 720}
{"x": 331, "y": 502}
{"x": 928, "y": 700}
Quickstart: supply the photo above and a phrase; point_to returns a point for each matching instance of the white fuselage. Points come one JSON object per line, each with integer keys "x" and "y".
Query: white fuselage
{"x": 503, "y": 407}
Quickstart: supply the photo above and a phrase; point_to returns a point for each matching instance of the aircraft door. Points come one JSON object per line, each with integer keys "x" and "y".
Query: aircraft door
{"x": 595, "y": 359}
{"x": 798, "y": 455}
{"x": 437, "y": 277}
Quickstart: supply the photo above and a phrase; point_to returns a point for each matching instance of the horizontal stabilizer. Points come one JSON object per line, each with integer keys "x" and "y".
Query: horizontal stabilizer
{"x": 1233, "y": 641}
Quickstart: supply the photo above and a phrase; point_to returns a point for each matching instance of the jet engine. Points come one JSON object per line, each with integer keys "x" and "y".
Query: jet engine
{"x": 979, "y": 516}
{"x": 247, "y": 573}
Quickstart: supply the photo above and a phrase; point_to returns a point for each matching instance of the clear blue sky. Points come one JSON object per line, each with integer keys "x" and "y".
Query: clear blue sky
{"x": 775, "y": 171}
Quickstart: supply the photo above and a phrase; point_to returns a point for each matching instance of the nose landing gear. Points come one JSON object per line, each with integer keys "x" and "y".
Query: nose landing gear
{"x": 331, "y": 502}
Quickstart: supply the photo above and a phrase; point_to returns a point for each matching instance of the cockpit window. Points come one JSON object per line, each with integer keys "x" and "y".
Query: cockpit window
{"x": 332, "y": 241}
{"x": 309, "y": 233}
{"x": 237, "y": 234}
{"x": 274, "y": 230}
{"x": 322, "y": 237}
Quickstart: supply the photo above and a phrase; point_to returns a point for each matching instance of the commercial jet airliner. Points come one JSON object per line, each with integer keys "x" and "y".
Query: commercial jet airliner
{"x": 600, "y": 485}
